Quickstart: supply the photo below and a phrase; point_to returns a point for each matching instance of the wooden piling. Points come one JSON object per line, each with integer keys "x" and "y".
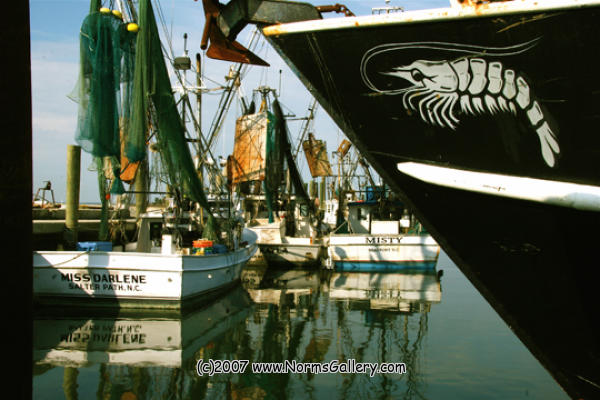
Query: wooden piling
{"x": 72, "y": 201}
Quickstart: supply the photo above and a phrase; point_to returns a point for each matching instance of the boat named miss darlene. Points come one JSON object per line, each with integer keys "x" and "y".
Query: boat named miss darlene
{"x": 185, "y": 252}
{"x": 483, "y": 117}
{"x": 152, "y": 273}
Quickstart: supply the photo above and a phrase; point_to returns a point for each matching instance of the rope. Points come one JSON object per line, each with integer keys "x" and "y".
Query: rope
{"x": 77, "y": 256}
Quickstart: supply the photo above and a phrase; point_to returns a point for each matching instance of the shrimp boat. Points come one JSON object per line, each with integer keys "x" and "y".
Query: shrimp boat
{"x": 153, "y": 273}
{"x": 382, "y": 236}
{"x": 183, "y": 253}
{"x": 281, "y": 247}
{"x": 281, "y": 214}
{"x": 482, "y": 117}
{"x": 373, "y": 230}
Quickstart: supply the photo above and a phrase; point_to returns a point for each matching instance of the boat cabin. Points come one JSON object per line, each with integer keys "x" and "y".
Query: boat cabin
{"x": 378, "y": 213}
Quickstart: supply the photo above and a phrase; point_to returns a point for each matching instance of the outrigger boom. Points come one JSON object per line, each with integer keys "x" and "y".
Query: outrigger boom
{"x": 224, "y": 22}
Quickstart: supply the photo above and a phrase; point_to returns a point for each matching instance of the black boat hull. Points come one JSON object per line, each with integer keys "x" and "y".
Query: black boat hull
{"x": 534, "y": 262}
{"x": 549, "y": 56}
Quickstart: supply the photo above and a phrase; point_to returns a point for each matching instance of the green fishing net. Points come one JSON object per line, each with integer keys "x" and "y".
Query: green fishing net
{"x": 106, "y": 61}
{"x": 152, "y": 91}
{"x": 103, "y": 92}
{"x": 123, "y": 85}
{"x": 278, "y": 152}
{"x": 286, "y": 150}
{"x": 273, "y": 163}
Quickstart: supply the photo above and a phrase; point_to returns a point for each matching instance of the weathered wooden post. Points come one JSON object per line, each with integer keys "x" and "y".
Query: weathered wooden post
{"x": 72, "y": 201}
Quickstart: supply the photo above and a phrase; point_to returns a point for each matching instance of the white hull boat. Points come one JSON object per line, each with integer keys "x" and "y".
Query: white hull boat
{"x": 297, "y": 253}
{"x": 365, "y": 252}
{"x": 383, "y": 237}
{"x": 181, "y": 253}
{"x": 276, "y": 249}
{"x": 135, "y": 279}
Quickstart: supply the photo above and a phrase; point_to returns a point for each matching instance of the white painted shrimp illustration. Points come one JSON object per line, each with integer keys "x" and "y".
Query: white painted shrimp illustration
{"x": 468, "y": 83}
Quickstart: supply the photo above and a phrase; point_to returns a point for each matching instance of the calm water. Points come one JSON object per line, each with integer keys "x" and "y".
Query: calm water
{"x": 452, "y": 343}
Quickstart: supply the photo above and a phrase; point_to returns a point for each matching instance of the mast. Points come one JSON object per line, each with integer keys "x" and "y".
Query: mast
{"x": 307, "y": 120}
{"x": 198, "y": 96}
{"x": 365, "y": 166}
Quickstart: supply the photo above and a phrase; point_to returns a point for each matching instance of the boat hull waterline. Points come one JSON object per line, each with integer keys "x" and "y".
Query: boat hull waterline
{"x": 292, "y": 255}
{"x": 356, "y": 252}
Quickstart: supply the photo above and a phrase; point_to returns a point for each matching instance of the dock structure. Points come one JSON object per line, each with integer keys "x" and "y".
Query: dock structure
{"x": 50, "y": 224}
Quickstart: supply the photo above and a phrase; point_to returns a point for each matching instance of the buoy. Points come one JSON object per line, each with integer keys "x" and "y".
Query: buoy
{"x": 133, "y": 27}
{"x": 117, "y": 14}
{"x": 104, "y": 10}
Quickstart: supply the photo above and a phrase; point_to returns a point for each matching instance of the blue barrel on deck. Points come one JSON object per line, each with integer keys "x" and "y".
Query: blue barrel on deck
{"x": 375, "y": 192}
{"x": 94, "y": 246}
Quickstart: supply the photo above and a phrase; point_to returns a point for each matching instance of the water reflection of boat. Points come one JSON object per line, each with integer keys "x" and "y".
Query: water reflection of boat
{"x": 160, "y": 339}
{"x": 405, "y": 292}
{"x": 374, "y": 316}
{"x": 385, "y": 314}
{"x": 157, "y": 355}
{"x": 282, "y": 287}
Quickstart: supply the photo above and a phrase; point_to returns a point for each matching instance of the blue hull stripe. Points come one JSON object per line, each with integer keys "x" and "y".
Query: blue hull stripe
{"x": 383, "y": 266}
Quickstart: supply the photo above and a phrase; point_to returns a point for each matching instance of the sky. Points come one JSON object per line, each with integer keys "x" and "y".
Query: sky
{"x": 54, "y": 26}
